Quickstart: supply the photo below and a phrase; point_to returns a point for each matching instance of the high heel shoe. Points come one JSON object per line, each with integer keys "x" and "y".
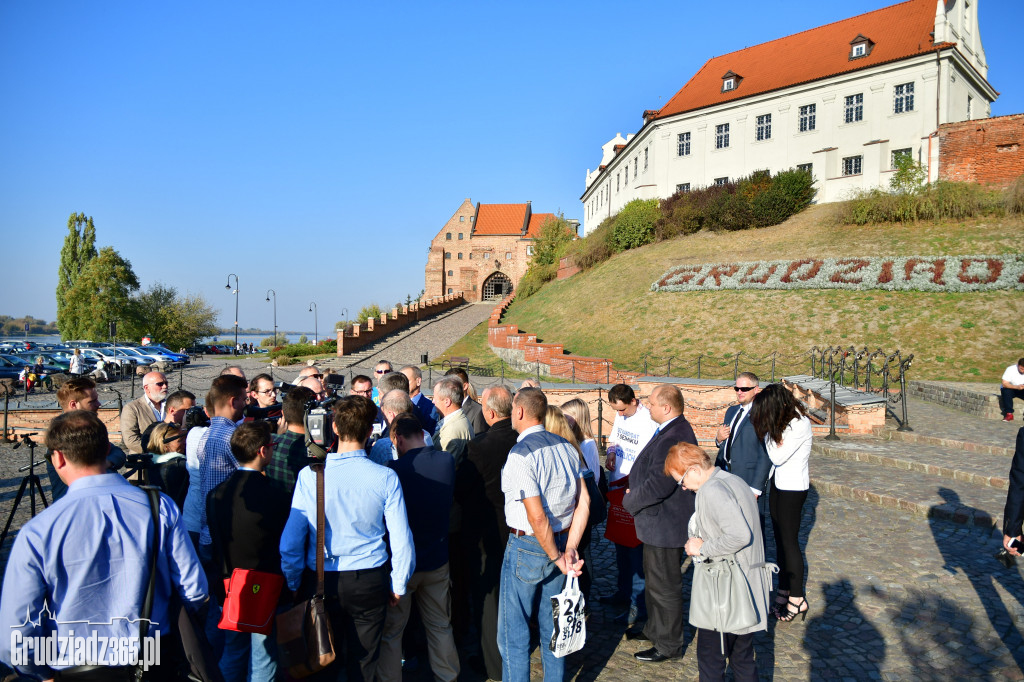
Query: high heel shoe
{"x": 802, "y": 607}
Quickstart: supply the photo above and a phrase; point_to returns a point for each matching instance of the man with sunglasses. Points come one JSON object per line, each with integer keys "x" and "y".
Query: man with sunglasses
{"x": 379, "y": 370}
{"x": 312, "y": 378}
{"x": 145, "y": 410}
{"x": 740, "y": 451}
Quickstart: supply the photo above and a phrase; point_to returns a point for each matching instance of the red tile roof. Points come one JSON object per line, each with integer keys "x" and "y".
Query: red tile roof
{"x": 537, "y": 221}
{"x": 500, "y": 219}
{"x": 898, "y": 32}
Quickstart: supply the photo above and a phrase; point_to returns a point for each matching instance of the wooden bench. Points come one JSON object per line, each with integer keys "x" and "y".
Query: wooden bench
{"x": 454, "y": 361}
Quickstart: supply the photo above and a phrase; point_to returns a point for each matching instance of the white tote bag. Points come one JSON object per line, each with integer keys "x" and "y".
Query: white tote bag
{"x": 570, "y": 625}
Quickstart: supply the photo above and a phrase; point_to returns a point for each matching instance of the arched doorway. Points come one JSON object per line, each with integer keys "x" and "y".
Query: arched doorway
{"x": 497, "y": 286}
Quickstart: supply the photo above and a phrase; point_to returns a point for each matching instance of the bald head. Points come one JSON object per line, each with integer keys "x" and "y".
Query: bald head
{"x": 666, "y": 402}
{"x": 154, "y": 385}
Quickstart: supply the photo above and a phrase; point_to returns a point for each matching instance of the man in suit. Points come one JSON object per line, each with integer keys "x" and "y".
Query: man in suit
{"x": 470, "y": 407}
{"x": 247, "y": 513}
{"x": 661, "y": 511}
{"x": 478, "y": 492}
{"x": 147, "y": 409}
{"x": 1013, "y": 514}
{"x": 740, "y": 451}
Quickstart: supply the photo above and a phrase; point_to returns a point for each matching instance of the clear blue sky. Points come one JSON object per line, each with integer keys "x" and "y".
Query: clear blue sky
{"x": 316, "y": 147}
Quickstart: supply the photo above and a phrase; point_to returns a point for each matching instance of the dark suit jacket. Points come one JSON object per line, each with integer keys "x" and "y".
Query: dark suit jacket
{"x": 660, "y": 508}
{"x": 475, "y": 414}
{"x": 1013, "y": 514}
{"x": 247, "y": 513}
{"x": 478, "y": 484}
{"x": 748, "y": 459}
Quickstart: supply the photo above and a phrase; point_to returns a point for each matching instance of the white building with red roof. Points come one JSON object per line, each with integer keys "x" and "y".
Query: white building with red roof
{"x": 483, "y": 250}
{"x": 841, "y": 101}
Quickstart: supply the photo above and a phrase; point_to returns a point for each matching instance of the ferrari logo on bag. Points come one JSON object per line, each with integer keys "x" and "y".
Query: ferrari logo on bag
{"x": 255, "y": 589}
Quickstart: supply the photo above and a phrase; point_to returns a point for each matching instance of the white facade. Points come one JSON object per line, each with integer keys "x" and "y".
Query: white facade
{"x": 773, "y": 131}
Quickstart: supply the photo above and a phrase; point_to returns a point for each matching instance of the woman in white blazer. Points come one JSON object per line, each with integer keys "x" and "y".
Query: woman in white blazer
{"x": 781, "y": 421}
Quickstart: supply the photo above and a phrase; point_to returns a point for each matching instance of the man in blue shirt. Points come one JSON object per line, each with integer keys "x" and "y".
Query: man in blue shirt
{"x": 428, "y": 483}
{"x": 363, "y": 501}
{"x": 85, "y": 559}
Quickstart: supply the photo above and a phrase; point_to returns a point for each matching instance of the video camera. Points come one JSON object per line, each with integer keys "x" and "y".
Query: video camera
{"x": 317, "y": 418}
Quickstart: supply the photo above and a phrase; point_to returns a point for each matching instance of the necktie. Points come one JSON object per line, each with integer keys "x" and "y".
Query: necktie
{"x": 732, "y": 434}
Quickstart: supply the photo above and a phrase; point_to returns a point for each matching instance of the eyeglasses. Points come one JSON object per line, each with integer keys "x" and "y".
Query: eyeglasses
{"x": 268, "y": 391}
{"x": 159, "y": 383}
{"x": 313, "y": 376}
{"x": 366, "y": 392}
{"x": 743, "y": 389}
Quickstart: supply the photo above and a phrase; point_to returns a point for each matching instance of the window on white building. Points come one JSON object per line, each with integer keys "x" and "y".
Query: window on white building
{"x": 722, "y": 181}
{"x": 808, "y": 116}
{"x": 852, "y": 165}
{"x": 683, "y": 187}
{"x": 636, "y": 167}
{"x": 897, "y": 154}
{"x": 903, "y": 98}
{"x": 764, "y": 127}
{"x": 859, "y": 50}
{"x": 646, "y": 149}
{"x": 683, "y": 144}
{"x": 626, "y": 174}
{"x": 806, "y": 168}
{"x": 728, "y": 84}
{"x": 854, "y": 108}
{"x": 722, "y": 136}
{"x": 618, "y": 186}
{"x": 970, "y": 108}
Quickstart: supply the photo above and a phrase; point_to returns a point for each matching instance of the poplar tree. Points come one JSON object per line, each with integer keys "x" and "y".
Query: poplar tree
{"x": 79, "y": 248}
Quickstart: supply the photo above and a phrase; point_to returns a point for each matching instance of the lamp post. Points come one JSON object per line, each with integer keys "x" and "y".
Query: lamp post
{"x": 344, "y": 319}
{"x": 316, "y": 330}
{"x": 269, "y": 292}
{"x": 235, "y": 292}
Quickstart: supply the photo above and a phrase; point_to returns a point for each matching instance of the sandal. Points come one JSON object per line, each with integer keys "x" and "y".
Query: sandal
{"x": 789, "y": 613}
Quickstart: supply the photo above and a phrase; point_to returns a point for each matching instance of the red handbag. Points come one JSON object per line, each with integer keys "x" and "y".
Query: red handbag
{"x": 619, "y": 527}
{"x": 250, "y": 601}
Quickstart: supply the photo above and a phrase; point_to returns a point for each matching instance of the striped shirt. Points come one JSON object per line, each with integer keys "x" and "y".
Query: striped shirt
{"x": 216, "y": 463}
{"x": 543, "y": 465}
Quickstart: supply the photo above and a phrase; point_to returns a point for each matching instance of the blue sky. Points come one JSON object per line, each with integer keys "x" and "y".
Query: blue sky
{"x": 316, "y": 147}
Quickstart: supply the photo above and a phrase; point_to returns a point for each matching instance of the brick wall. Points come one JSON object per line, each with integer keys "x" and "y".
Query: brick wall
{"x": 986, "y": 151}
{"x": 357, "y": 336}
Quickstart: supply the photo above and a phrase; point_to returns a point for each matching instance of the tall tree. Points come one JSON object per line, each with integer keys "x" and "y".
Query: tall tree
{"x": 79, "y": 248}
{"x": 102, "y": 293}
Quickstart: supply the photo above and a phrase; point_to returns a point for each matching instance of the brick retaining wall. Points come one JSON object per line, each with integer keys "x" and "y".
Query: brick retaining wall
{"x": 351, "y": 340}
{"x": 987, "y": 151}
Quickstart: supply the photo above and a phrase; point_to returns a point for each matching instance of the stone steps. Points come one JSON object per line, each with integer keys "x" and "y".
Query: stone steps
{"x": 946, "y": 443}
{"x": 980, "y": 400}
{"x": 920, "y": 494}
{"x": 957, "y": 466}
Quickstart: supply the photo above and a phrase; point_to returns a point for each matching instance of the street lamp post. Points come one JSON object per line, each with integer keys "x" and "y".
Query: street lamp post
{"x": 344, "y": 318}
{"x": 316, "y": 330}
{"x": 228, "y": 286}
{"x": 269, "y": 292}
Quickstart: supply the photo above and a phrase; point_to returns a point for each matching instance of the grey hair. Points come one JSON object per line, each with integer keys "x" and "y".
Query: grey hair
{"x": 392, "y": 381}
{"x": 414, "y": 370}
{"x": 397, "y": 401}
{"x": 450, "y": 388}
{"x": 499, "y": 400}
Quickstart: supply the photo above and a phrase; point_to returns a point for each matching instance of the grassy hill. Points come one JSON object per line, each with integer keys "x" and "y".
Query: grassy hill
{"x": 610, "y": 310}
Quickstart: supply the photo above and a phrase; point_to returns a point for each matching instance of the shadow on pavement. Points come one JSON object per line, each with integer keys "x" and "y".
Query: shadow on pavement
{"x": 984, "y": 572}
{"x": 841, "y": 642}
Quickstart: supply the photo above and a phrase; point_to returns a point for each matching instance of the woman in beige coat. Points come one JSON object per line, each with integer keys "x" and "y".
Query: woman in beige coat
{"x": 725, "y": 522}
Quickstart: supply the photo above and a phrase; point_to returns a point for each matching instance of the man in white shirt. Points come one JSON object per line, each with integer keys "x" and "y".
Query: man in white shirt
{"x": 631, "y": 431}
{"x": 1013, "y": 387}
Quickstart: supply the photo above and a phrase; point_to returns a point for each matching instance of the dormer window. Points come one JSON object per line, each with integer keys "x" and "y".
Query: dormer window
{"x": 860, "y": 47}
{"x": 730, "y": 81}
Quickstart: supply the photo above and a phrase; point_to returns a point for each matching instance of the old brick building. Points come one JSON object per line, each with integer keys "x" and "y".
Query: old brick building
{"x": 987, "y": 151}
{"x": 483, "y": 250}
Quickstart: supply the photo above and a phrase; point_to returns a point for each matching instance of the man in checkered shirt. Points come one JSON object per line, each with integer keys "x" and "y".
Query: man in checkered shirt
{"x": 546, "y": 510}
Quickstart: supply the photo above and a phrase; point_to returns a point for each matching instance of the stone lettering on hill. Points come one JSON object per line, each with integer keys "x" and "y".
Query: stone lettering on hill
{"x": 903, "y": 273}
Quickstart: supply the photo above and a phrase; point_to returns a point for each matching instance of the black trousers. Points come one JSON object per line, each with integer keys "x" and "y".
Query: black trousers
{"x": 357, "y": 603}
{"x": 711, "y": 662}
{"x": 664, "y": 598}
{"x": 786, "y": 508}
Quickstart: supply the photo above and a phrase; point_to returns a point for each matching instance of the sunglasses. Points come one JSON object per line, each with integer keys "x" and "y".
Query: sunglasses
{"x": 159, "y": 383}
{"x": 743, "y": 389}
{"x": 381, "y": 371}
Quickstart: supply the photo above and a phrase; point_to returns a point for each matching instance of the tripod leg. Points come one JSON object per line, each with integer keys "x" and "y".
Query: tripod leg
{"x": 37, "y": 486}
{"x": 14, "y": 510}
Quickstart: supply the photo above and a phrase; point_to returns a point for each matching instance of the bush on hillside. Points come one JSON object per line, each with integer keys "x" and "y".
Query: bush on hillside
{"x": 596, "y": 247}
{"x": 634, "y": 224}
{"x": 1015, "y": 197}
{"x": 300, "y": 349}
{"x": 940, "y": 200}
{"x": 552, "y": 243}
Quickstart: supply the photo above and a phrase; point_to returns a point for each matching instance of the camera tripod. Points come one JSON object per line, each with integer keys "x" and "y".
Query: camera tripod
{"x": 31, "y": 481}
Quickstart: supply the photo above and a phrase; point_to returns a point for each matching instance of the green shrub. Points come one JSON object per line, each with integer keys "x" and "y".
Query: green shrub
{"x": 1014, "y": 198}
{"x": 536, "y": 276}
{"x": 595, "y": 248}
{"x": 940, "y": 200}
{"x": 368, "y": 311}
{"x": 299, "y": 349}
{"x": 634, "y": 224}
{"x": 269, "y": 341}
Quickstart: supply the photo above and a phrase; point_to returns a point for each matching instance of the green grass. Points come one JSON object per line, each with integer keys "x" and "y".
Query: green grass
{"x": 609, "y": 311}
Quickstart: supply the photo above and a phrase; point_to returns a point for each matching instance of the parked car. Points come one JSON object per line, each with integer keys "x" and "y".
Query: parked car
{"x": 145, "y": 353}
{"x": 112, "y": 358}
{"x": 8, "y": 370}
{"x": 50, "y": 365}
{"x": 179, "y": 357}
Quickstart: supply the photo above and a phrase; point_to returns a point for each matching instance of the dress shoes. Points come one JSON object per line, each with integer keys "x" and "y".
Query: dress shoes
{"x": 652, "y": 655}
{"x": 636, "y": 635}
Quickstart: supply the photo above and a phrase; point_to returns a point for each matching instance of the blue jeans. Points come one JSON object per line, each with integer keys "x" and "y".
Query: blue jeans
{"x": 248, "y": 657}
{"x": 526, "y": 574}
{"x": 630, "y": 564}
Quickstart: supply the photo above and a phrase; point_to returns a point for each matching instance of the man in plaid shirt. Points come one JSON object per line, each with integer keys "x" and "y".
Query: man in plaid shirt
{"x": 290, "y": 455}
{"x": 225, "y": 403}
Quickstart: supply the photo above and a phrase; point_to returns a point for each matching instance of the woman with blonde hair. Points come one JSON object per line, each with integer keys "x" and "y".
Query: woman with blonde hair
{"x": 167, "y": 470}
{"x": 724, "y": 524}
{"x": 578, "y": 410}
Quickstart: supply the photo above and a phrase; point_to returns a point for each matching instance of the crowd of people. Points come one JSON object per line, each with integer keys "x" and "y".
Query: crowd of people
{"x": 450, "y": 521}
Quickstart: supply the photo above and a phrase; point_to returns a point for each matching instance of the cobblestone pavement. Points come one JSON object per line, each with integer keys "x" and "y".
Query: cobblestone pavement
{"x": 893, "y": 595}
{"x": 934, "y": 421}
